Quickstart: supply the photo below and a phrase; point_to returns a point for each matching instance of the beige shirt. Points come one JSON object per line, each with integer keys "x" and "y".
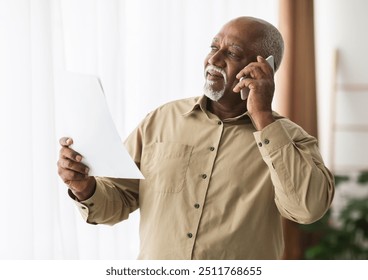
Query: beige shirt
{"x": 214, "y": 189}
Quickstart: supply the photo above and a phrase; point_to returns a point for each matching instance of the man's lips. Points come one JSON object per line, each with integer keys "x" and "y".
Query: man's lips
{"x": 213, "y": 75}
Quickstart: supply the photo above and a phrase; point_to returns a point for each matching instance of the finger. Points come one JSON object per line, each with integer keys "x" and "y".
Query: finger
{"x": 266, "y": 67}
{"x": 246, "y": 71}
{"x": 253, "y": 70}
{"x": 66, "y": 152}
{"x": 74, "y": 166}
{"x": 66, "y": 141}
{"x": 256, "y": 69}
{"x": 261, "y": 59}
{"x": 69, "y": 175}
{"x": 72, "y": 185}
{"x": 243, "y": 82}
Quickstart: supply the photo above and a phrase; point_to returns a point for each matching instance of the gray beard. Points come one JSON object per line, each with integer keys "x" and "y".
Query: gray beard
{"x": 210, "y": 93}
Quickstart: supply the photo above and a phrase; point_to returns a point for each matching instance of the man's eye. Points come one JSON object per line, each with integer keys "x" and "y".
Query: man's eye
{"x": 213, "y": 48}
{"x": 232, "y": 54}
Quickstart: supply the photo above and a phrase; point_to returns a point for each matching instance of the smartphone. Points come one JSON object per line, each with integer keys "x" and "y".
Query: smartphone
{"x": 245, "y": 91}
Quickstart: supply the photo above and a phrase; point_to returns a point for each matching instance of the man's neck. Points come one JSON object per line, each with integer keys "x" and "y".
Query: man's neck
{"x": 224, "y": 110}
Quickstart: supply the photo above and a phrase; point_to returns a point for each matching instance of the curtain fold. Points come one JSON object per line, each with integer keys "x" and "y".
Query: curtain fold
{"x": 297, "y": 82}
{"x": 296, "y": 91}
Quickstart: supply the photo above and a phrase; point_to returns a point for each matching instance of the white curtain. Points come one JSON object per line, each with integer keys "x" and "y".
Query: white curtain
{"x": 147, "y": 52}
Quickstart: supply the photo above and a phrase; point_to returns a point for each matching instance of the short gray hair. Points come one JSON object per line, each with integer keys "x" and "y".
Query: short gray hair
{"x": 270, "y": 43}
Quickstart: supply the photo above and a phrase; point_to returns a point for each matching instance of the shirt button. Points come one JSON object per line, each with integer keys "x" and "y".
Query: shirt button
{"x": 196, "y": 205}
{"x": 204, "y": 176}
{"x": 212, "y": 149}
{"x": 83, "y": 208}
{"x": 219, "y": 122}
{"x": 260, "y": 144}
{"x": 189, "y": 235}
{"x": 266, "y": 141}
{"x": 91, "y": 204}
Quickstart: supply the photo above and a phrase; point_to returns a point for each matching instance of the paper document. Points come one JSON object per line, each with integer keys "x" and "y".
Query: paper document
{"x": 83, "y": 115}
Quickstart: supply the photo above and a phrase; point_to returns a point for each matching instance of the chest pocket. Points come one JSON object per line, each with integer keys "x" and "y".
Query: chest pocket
{"x": 165, "y": 165}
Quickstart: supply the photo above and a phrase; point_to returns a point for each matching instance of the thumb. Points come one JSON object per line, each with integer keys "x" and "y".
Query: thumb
{"x": 66, "y": 141}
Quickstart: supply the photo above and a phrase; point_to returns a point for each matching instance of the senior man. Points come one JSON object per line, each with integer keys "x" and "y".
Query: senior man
{"x": 220, "y": 172}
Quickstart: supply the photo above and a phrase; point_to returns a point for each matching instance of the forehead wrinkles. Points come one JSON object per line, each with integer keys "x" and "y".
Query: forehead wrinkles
{"x": 241, "y": 32}
{"x": 230, "y": 42}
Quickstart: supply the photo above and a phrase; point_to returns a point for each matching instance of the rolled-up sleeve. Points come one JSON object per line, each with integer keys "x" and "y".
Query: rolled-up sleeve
{"x": 303, "y": 186}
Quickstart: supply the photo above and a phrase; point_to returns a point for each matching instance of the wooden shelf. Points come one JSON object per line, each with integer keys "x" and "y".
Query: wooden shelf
{"x": 337, "y": 87}
{"x": 351, "y": 127}
{"x": 353, "y": 87}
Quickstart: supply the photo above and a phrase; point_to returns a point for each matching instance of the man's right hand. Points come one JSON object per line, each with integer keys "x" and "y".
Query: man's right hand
{"x": 73, "y": 172}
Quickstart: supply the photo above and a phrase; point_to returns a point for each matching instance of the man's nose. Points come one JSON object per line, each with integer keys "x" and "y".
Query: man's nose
{"x": 217, "y": 59}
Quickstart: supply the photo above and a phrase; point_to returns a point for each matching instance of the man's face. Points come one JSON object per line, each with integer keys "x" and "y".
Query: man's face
{"x": 230, "y": 52}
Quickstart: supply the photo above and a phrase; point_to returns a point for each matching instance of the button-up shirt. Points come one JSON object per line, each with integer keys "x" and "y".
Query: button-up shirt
{"x": 214, "y": 189}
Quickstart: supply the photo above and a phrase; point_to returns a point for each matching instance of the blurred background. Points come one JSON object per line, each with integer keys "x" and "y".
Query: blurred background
{"x": 149, "y": 52}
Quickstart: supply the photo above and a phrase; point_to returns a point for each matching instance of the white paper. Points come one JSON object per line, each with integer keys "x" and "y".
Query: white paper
{"x": 82, "y": 114}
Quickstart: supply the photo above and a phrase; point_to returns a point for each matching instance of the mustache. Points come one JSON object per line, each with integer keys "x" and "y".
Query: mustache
{"x": 213, "y": 68}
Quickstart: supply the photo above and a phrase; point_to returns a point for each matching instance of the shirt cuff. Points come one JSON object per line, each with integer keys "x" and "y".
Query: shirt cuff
{"x": 86, "y": 206}
{"x": 271, "y": 138}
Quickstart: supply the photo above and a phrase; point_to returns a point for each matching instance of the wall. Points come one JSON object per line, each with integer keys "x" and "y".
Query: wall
{"x": 342, "y": 24}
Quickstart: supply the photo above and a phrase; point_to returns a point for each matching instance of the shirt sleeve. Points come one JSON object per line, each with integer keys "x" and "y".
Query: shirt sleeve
{"x": 112, "y": 202}
{"x": 303, "y": 186}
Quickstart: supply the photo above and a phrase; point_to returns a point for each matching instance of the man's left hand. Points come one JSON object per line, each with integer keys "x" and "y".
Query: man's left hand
{"x": 259, "y": 82}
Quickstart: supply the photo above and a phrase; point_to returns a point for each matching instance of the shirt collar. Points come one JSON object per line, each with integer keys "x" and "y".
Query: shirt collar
{"x": 201, "y": 104}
